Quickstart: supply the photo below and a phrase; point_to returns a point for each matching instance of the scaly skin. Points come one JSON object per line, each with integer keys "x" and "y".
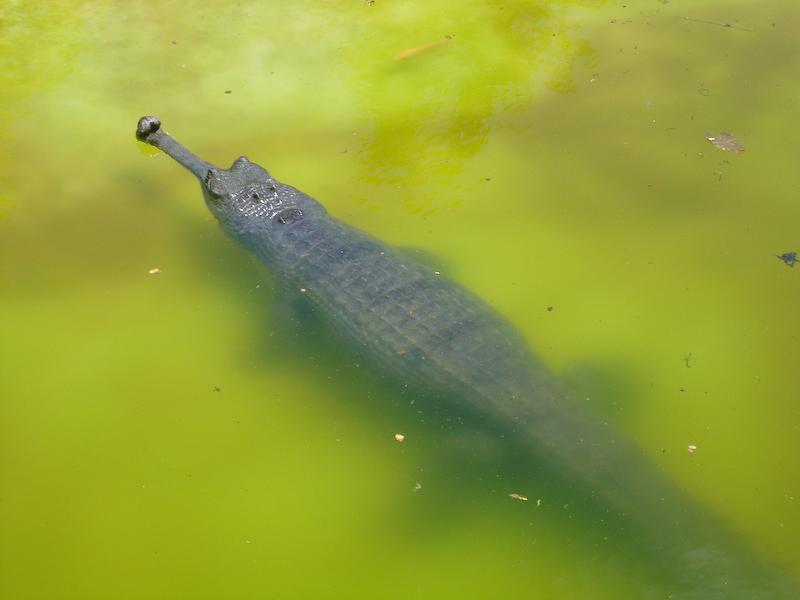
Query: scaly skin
{"x": 425, "y": 328}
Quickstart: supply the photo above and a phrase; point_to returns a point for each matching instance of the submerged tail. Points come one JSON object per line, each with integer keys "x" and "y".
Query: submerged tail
{"x": 695, "y": 554}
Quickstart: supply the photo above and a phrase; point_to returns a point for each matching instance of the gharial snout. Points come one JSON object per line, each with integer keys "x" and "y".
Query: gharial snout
{"x": 148, "y": 130}
{"x": 146, "y": 127}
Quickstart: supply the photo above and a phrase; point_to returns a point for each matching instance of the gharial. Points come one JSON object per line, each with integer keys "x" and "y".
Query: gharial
{"x": 421, "y": 326}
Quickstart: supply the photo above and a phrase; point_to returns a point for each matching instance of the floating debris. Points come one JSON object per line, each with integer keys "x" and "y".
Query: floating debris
{"x": 399, "y": 437}
{"x": 687, "y": 358}
{"x": 790, "y": 258}
{"x": 538, "y": 502}
{"x": 154, "y": 271}
{"x": 228, "y": 91}
{"x": 691, "y": 448}
{"x": 417, "y": 487}
{"x": 550, "y": 308}
{"x": 411, "y": 52}
{"x": 217, "y": 388}
{"x": 725, "y": 141}
{"x": 519, "y": 497}
{"x": 716, "y": 23}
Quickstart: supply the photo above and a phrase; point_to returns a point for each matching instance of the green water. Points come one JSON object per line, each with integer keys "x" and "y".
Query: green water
{"x": 161, "y": 436}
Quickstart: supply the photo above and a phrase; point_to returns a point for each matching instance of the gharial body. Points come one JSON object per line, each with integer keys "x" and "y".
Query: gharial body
{"x": 422, "y": 326}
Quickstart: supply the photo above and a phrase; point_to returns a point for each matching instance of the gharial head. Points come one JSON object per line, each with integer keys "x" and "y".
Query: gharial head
{"x": 243, "y": 194}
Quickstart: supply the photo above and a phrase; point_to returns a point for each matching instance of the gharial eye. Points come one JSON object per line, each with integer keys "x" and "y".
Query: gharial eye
{"x": 289, "y": 215}
{"x": 211, "y": 183}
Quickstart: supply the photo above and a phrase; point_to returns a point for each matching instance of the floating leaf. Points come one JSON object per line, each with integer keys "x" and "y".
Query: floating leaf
{"x": 725, "y": 141}
{"x": 790, "y": 258}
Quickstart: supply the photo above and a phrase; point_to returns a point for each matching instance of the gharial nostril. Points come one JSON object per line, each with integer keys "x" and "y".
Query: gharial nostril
{"x": 146, "y": 127}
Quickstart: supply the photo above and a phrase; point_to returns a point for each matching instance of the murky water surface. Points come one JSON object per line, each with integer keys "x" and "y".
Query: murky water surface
{"x": 172, "y": 435}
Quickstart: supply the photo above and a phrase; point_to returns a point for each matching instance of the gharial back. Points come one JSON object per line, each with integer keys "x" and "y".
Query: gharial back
{"x": 425, "y": 328}
{"x": 416, "y": 322}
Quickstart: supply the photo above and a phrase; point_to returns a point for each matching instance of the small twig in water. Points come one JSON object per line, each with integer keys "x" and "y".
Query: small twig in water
{"x": 718, "y": 24}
